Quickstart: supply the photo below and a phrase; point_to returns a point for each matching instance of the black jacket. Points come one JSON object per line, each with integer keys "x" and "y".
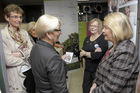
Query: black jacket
{"x": 48, "y": 69}
{"x": 89, "y": 46}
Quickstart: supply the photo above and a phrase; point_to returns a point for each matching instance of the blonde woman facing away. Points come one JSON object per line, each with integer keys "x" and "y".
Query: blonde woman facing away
{"x": 31, "y": 31}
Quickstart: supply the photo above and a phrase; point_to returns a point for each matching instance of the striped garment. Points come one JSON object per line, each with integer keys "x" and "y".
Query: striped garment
{"x": 118, "y": 72}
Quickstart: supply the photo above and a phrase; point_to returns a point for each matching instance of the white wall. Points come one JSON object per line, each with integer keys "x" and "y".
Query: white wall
{"x": 66, "y": 10}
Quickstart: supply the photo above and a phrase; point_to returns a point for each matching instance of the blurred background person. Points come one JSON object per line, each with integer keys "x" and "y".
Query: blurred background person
{"x": 94, "y": 48}
{"x": 127, "y": 11}
{"x": 31, "y": 31}
{"x": 47, "y": 65}
{"x": 118, "y": 71}
{"x": 17, "y": 47}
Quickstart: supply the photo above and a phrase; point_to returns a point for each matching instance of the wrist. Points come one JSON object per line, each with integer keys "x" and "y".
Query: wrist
{"x": 85, "y": 54}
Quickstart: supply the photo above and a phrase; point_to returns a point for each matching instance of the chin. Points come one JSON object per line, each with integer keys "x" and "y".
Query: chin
{"x": 106, "y": 38}
{"x": 17, "y": 26}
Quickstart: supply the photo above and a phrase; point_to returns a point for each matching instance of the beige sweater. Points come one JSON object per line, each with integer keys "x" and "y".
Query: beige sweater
{"x": 13, "y": 64}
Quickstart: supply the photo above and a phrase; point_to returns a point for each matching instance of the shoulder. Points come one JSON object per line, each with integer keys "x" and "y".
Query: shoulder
{"x": 87, "y": 38}
{"x": 102, "y": 37}
{"x": 126, "y": 47}
{"x": 102, "y": 40}
{"x": 23, "y": 31}
{"x": 4, "y": 32}
{"x": 25, "y": 34}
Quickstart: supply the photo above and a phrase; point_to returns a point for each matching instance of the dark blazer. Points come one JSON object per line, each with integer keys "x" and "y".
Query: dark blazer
{"x": 48, "y": 69}
{"x": 119, "y": 71}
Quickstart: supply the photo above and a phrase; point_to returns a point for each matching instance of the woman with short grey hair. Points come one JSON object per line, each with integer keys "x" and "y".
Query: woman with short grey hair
{"x": 47, "y": 65}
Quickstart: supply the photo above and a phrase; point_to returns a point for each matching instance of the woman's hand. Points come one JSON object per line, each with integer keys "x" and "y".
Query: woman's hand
{"x": 98, "y": 50}
{"x": 82, "y": 53}
{"x": 64, "y": 56}
{"x": 17, "y": 54}
{"x": 93, "y": 87}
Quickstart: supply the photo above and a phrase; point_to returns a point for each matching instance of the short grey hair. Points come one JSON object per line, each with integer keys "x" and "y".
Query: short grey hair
{"x": 46, "y": 23}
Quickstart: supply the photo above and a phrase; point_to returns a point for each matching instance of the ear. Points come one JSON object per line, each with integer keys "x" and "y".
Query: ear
{"x": 48, "y": 35}
{"x": 6, "y": 18}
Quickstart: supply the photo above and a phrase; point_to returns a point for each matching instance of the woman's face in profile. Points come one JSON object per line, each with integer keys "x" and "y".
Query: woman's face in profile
{"x": 56, "y": 34}
{"x": 32, "y": 32}
{"x": 94, "y": 27}
{"x": 107, "y": 32}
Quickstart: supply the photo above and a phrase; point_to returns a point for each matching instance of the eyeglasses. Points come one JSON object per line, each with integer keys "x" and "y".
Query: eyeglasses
{"x": 93, "y": 25}
{"x": 16, "y": 17}
{"x": 58, "y": 30}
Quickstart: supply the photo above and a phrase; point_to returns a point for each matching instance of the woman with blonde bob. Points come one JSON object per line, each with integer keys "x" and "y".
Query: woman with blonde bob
{"x": 118, "y": 70}
{"x": 47, "y": 66}
{"x": 31, "y": 31}
{"x": 94, "y": 48}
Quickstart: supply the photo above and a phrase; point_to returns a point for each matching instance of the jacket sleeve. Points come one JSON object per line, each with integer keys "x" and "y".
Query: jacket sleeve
{"x": 57, "y": 74}
{"x": 121, "y": 69}
{"x": 10, "y": 59}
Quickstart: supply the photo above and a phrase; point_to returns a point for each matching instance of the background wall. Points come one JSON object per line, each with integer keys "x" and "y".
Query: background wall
{"x": 66, "y": 11}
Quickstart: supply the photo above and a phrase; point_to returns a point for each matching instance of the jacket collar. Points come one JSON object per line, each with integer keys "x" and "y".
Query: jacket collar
{"x": 41, "y": 42}
{"x": 116, "y": 48}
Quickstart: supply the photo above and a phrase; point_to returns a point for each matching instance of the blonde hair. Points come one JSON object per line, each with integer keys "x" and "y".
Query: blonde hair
{"x": 30, "y": 26}
{"x": 12, "y": 8}
{"x": 46, "y": 23}
{"x": 120, "y": 25}
{"x": 100, "y": 25}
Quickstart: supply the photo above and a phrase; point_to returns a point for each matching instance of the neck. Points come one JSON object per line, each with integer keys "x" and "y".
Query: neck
{"x": 49, "y": 41}
{"x": 114, "y": 45}
{"x": 94, "y": 36}
{"x": 14, "y": 28}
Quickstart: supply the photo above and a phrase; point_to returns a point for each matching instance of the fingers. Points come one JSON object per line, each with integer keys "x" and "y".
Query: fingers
{"x": 98, "y": 50}
{"x": 82, "y": 53}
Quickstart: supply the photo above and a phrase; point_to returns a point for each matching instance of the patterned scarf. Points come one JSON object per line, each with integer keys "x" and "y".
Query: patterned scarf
{"x": 17, "y": 36}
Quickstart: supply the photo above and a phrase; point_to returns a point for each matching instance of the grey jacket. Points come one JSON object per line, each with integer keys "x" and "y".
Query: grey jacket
{"x": 118, "y": 72}
{"x": 48, "y": 69}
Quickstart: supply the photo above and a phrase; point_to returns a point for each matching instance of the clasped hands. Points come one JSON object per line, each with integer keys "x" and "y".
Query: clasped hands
{"x": 82, "y": 53}
{"x": 17, "y": 54}
{"x": 88, "y": 54}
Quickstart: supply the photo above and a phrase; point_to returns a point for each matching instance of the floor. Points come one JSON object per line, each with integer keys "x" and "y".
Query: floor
{"x": 75, "y": 79}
